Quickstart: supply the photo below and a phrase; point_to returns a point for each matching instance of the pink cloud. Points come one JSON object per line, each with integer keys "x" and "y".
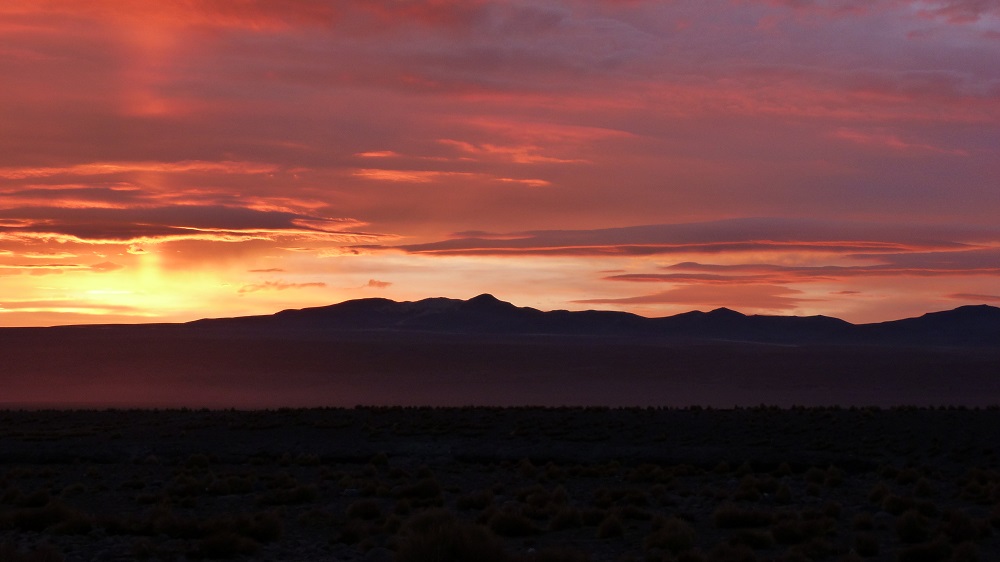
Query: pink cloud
{"x": 892, "y": 142}
{"x": 759, "y": 297}
{"x": 974, "y": 297}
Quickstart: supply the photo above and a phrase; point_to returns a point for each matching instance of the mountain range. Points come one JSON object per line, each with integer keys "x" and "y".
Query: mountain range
{"x": 975, "y": 326}
{"x": 483, "y": 351}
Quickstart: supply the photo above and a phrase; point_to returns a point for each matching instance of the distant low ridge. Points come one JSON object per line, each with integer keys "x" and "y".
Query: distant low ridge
{"x": 976, "y": 326}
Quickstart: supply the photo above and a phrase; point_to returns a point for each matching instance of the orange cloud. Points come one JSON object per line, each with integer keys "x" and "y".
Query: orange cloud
{"x": 517, "y": 154}
{"x": 113, "y": 168}
{"x": 278, "y": 286}
{"x": 758, "y": 297}
{"x": 430, "y": 176}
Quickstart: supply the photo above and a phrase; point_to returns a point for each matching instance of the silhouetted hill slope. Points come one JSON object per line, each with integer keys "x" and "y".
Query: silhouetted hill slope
{"x": 977, "y": 325}
{"x": 485, "y": 314}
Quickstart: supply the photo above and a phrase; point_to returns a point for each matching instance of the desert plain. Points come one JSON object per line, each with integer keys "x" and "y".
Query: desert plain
{"x": 489, "y": 483}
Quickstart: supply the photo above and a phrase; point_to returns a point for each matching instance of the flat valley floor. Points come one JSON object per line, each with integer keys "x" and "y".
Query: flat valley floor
{"x": 547, "y": 484}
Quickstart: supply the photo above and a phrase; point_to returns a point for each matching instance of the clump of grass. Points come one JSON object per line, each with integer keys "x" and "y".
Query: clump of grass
{"x": 797, "y": 530}
{"x": 511, "y": 523}
{"x": 863, "y": 522}
{"x": 438, "y": 535}
{"x": 557, "y": 554}
{"x": 756, "y": 539}
{"x": 897, "y": 505}
{"x": 911, "y": 527}
{"x": 54, "y": 517}
{"x": 611, "y": 527}
{"x": 959, "y": 527}
{"x": 675, "y": 535}
{"x": 475, "y": 500}
{"x": 424, "y": 492}
{"x": 38, "y": 498}
{"x": 289, "y": 496}
{"x": 10, "y": 553}
{"x": 937, "y": 551}
{"x": 262, "y": 527}
{"x": 226, "y": 544}
{"x": 732, "y": 553}
{"x": 783, "y": 495}
{"x": 566, "y": 518}
{"x": 731, "y": 516}
{"x": 364, "y": 509}
{"x": 866, "y": 544}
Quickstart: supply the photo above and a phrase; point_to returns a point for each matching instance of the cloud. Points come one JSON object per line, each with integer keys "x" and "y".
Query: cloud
{"x": 433, "y": 176}
{"x": 526, "y": 154}
{"x": 983, "y": 262}
{"x": 268, "y": 270}
{"x": 892, "y": 142}
{"x": 106, "y": 266}
{"x": 376, "y": 284}
{"x": 144, "y": 225}
{"x": 761, "y": 297}
{"x": 726, "y": 236}
{"x": 117, "y": 168}
{"x": 957, "y": 11}
{"x": 974, "y": 297}
{"x": 278, "y": 286}
{"x": 65, "y": 305}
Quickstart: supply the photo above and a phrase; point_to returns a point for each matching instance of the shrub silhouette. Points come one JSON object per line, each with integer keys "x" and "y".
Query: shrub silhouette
{"x": 674, "y": 534}
{"x": 437, "y": 536}
{"x": 10, "y": 553}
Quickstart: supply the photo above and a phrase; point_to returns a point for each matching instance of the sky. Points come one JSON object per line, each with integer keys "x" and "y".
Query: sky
{"x": 168, "y": 161}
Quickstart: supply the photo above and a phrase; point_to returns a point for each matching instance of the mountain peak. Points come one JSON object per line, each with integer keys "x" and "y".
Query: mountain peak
{"x": 723, "y": 312}
{"x": 487, "y": 301}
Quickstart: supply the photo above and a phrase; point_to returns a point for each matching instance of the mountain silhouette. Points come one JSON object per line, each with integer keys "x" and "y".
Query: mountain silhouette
{"x": 484, "y": 351}
{"x": 486, "y": 315}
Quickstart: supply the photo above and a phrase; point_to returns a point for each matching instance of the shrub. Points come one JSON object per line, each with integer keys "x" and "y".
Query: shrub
{"x": 475, "y": 500}
{"x": 364, "y": 509}
{"x": 783, "y": 495}
{"x": 10, "y": 553}
{"x": 732, "y": 553}
{"x": 734, "y": 517}
{"x": 965, "y": 552}
{"x": 289, "y": 496}
{"x": 226, "y": 544}
{"x": 610, "y": 527}
{"x": 796, "y": 531}
{"x": 911, "y": 527}
{"x": 262, "y": 527}
{"x": 566, "y": 518}
{"x": 511, "y": 523}
{"x": 53, "y": 516}
{"x": 425, "y": 491}
{"x": 437, "y": 536}
{"x": 674, "y": 534}
{"x": 557, "y": 554}
{"x": 926, "y": 552}
{"x": 864, "y": 522}
{"x": 866, "y": 544}
{"x": 960, "y": 527}
{"x": 754, "y": 538}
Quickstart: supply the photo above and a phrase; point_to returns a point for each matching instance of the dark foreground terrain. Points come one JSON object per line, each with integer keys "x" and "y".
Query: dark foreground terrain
{"x": 485, "y": 484}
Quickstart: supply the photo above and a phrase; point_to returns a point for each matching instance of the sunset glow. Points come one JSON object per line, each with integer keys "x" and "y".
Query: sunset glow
{"x": 164, "y": 162}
